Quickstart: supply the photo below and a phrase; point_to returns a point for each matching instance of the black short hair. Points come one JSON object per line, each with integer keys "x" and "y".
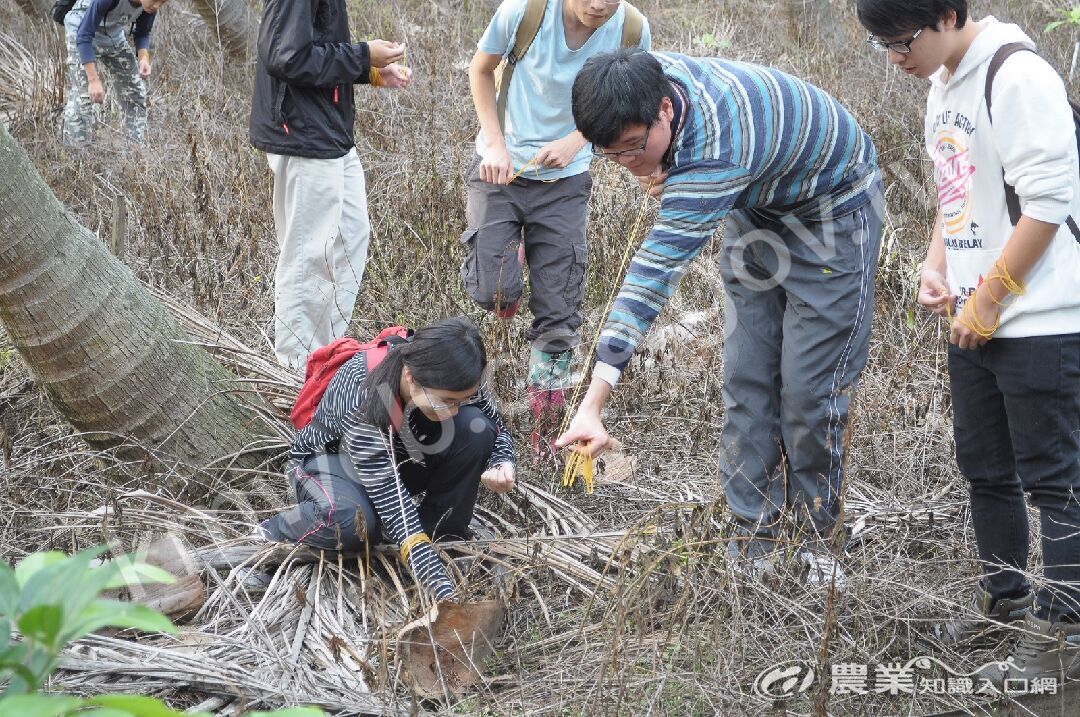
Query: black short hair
{"x": 615, "y": 90}
{"x": 892, "y": 18}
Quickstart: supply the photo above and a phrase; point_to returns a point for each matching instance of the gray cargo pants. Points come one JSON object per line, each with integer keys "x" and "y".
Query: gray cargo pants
{"x": 799, "y": 301}
{"x": 552, "y": 218}
{"x": 121, "y": 75}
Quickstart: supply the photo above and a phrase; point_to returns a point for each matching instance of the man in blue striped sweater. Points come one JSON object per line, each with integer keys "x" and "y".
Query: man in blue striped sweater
{"x": 796, "y": 180}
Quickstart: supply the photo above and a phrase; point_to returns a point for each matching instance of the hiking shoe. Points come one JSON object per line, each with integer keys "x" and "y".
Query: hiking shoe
{"x": 753, "y": 556}
{"x": 823, "y": 568}
{"x": 479, "y": 531}
{"x": 260, "y": 532}
{"x": 252, "y": 580}
{"x": 474, "y": 564}
{"x": 983, "y": 621}
{"x": 1045, "y": 651}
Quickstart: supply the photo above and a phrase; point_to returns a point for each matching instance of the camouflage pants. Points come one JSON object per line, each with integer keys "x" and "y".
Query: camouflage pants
{"x": 121, "y": 68}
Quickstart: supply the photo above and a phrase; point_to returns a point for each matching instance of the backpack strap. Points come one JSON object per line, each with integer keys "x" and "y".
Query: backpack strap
{"x": 633, "y": 24}
{"x": 526, "y": 33}
{"x": 1012, "y": 200}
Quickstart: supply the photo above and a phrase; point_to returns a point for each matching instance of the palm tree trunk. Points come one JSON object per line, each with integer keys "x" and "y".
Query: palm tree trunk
{"x": 232, "y": 21}
{"x": 113, "y": 361}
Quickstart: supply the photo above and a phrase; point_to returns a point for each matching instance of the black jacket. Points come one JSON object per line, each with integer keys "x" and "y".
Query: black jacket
{"x": 303, "y": 100}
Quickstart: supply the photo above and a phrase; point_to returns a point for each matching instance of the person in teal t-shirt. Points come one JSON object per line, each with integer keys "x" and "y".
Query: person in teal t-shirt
{"x": 529, "y": 186}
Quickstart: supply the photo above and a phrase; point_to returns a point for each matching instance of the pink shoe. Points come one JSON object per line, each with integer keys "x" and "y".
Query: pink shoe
{"x": 547, "y": 409}
{"x": 508, "y": 312}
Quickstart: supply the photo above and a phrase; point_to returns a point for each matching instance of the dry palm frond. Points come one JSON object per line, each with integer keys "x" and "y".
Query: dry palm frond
{"x": 278, "y": 385}
{"x": 668, "y": 628}
{"x": 18, "y": 73}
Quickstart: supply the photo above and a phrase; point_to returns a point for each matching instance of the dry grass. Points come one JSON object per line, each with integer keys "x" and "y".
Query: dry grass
{"x": 669, "y": 629}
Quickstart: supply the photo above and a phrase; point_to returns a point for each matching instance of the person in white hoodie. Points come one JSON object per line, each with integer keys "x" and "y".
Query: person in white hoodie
{"x": 1009, "y": 284}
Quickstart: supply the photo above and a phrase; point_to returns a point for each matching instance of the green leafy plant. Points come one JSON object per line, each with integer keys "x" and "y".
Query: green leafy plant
{"x": 1069, "y": 17}
{"x": 711, "y": 42}
{"x": 50, "y": 600}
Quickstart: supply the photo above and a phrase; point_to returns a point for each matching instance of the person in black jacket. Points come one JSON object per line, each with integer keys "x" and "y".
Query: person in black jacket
{"x": 302, "y": 116}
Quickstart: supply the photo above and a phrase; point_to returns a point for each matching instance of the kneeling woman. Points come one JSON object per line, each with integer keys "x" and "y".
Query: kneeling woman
{"x": 421, "y": 415}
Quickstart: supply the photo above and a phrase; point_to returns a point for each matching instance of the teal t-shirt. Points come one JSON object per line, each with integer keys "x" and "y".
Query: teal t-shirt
{"x": 538, "y": 107}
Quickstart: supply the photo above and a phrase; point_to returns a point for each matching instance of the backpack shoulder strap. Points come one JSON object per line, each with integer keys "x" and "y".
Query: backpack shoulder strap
{"x": 633, "y": 24}
{"x": 1073, "y": 226}
{"x": 1012, "y": 201}
{"x": 527, "y": 29}
{"x": 1004, "y": 53}
{"x": 523, "y": 39}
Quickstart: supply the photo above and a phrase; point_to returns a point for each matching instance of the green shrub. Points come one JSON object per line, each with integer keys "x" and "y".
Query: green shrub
{"x": 50, "y": 600}
{"x": 1069, "y": 17}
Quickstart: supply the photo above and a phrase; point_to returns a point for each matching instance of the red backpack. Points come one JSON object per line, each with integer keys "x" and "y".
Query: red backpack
{"x": 324, "y": 362}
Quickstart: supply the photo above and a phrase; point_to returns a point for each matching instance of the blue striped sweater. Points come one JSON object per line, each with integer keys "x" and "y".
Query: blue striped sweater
{"x": 338, "y": 423}
{"x": 751, "y": 137}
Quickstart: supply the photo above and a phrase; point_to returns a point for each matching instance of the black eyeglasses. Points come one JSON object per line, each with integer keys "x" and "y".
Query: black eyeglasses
{"x": 614, "y": 156}
{"x": 902, "y": 47}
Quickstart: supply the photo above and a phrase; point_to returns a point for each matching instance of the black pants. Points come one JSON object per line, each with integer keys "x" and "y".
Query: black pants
{"x": 333, "y": 511}
{"x": 1016, "y": 419}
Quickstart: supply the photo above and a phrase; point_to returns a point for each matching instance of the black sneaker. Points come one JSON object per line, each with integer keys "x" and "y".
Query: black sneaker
{"x": 983, "y": 621}
{"x": 1045, "y": 651}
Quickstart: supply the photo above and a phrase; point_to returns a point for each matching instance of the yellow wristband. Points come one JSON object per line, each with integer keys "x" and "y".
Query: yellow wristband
{"x": 375, "y": 78}
{"x": 411, "y": 542}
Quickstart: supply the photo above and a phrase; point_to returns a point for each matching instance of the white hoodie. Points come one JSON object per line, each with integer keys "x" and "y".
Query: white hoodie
{"x": 1033, "y": 138}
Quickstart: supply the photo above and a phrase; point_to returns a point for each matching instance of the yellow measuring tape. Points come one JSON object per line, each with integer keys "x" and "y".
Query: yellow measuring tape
{"x": 531, "y": 163}
{"x": 580, "y": 464}
{"x": 375, "y": 75}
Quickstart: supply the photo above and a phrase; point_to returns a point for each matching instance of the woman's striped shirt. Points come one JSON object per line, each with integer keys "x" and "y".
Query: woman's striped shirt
{"x": 337, "y": 426}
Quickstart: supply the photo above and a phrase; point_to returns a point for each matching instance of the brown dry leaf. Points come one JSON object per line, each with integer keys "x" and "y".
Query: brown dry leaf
{"x": 444, "y": 651}
{"x": 618, "y": 465}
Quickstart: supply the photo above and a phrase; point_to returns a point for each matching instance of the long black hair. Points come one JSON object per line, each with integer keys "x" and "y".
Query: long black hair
{"x": 447, "y": 355}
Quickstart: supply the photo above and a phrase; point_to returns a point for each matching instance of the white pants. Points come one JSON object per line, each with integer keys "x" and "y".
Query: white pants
{"x": 321, "y": 220}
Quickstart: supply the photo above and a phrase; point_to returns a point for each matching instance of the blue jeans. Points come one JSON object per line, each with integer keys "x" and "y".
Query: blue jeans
{"x": 1016, "y": 420}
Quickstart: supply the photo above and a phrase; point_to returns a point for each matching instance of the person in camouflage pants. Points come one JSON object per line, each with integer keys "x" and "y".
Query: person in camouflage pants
{"x": 95, "y": 36}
